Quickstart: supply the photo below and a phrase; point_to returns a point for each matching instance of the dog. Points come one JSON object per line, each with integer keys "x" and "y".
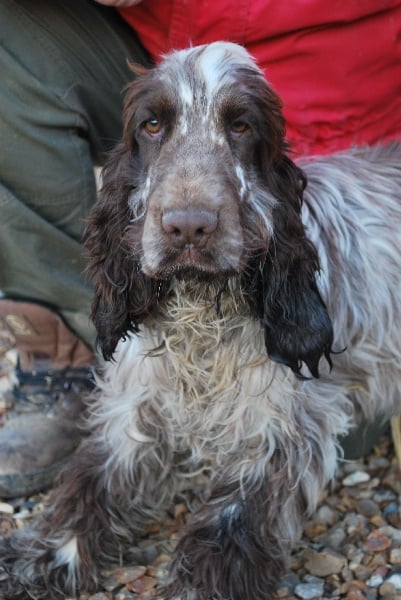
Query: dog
{"x": 247, "y": 308}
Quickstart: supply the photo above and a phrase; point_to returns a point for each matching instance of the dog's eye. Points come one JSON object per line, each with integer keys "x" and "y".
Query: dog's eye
{"x": 238, "y": 127}
{"x": 152, "y": 126}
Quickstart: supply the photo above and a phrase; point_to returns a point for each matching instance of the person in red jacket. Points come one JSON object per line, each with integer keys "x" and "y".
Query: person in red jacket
{"x": 63, "y": 66}
{"x": 336, "y": 65}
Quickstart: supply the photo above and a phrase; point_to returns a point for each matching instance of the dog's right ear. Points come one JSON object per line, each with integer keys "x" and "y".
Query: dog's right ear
{"x": 123, "y": 294}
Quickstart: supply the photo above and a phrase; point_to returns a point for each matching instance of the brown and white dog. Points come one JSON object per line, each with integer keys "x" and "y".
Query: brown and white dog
{"x": 224, "y": 287}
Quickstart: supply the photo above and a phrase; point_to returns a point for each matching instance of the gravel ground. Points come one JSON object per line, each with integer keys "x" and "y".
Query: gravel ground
{"x": 350, "y": 549}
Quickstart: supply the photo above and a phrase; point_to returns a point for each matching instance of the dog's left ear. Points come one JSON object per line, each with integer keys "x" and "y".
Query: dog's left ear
{"x": 298, "y": 328}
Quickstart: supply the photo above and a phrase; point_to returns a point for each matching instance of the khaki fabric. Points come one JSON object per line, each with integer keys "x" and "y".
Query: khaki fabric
{"x": 63, "y": 67}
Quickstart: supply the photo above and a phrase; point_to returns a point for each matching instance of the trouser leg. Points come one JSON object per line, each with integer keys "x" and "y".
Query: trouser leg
{"x": 63, "y": 67}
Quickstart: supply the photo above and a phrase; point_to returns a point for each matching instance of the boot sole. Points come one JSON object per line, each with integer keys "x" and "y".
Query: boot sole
{"x": 14, "y": 485}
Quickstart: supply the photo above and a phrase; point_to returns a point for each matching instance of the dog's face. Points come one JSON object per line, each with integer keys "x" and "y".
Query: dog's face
{"x": 197, "y": 128}
{"x": 201, "y": 187}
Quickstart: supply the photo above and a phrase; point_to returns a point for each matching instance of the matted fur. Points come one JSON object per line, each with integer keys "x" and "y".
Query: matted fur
{"x": 214, "y": 332}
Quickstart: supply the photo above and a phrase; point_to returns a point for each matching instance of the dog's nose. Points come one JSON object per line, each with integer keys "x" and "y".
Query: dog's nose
{"x": 189, "y": 227}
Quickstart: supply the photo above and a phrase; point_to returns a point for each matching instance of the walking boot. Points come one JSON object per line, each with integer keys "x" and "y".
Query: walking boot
{"x": 54, "y": 373}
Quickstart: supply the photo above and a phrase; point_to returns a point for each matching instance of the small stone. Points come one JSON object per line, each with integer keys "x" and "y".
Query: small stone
{"x": 378, "y": 563}
{"x": 110, "y": 583}
{"x": 386, "y": 589}
{"x": 395, "y": 580}
{"x": 378, "y": 521}
{"x": 124, "y": 594}
{"x": 383, "y": 571}
{"x": 282, "y": 591}
{"x": 158, "y": 572}
{"x": 325, "y": 515}
{"x": 355, "y": 594}
{"x": 355, "y": 558}
{"x": 368, "y": 508}
{"x": 391, "y": 509}
{"x": 347, "y": 574}
{"x": 128, "y": 574}
{"x": 384, "y": 496}
{"x": 288, "y": 583}
{"x": 24, "y": 513}
{"x": 355, "y": 478}
{"x": 334, "y": 537}
{"x": 313, "y": 529}
{"x": 395, "y": 556}
{"x": 375, "y": 580}
{"x": 6, "y": 508}
{"x": 351, "y": 466}
{"x": 377, "y": 542}
{"x": 352, "y": 585}
{"x": 392, "y": 532}
{"x": 324, "y": 563}
{"x": 309, "y": 591}
{"x": 362, "y": 572}
{"x": 378, "y": 462}
{"x": 162, "y": 559}
{"x": 142, "y": 585}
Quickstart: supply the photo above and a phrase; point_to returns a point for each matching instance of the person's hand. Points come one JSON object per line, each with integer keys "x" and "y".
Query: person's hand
{"x": 119, "y": 3}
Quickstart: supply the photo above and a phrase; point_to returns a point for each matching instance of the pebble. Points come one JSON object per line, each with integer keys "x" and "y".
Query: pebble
{"x": 368, "y": 508}
{"x": 395, "y": 580}
{"x": 125, "y": 575}
{"x": 386, "y": 589}
{"x": 324, "y": 563}
{"x": 125, "y": 595}
{"x": 334, "y": 537}
{"x": 355, "y": 478}
{"x": 6, "y": 508}
{"x": 24, "y": 513}
{"x": 325, "y": 515}
{"x": 391, "y": 532}
{"x": 395, "y": 556}
{"x": 362, "y": 572}
{"x": 377, "y": 542}
{"x": 355, "y": 594}
{"x": 309, "y": 591}
{"x": 383, "y": 496}
{"x": 375, "y": 581}
{"x": 142, "y": 585}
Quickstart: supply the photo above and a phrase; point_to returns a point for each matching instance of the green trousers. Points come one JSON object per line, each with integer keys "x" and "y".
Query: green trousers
{"x": 63, "y": 65}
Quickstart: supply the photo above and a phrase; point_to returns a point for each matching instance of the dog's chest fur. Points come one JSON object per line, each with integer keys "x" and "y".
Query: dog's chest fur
{"x": 213, "y": 382}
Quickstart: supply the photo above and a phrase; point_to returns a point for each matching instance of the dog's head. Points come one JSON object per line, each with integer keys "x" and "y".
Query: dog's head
{"x": 201, "y": 187}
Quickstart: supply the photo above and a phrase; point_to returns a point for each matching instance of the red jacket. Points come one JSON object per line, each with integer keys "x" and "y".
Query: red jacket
{"x": 335, "y": 63}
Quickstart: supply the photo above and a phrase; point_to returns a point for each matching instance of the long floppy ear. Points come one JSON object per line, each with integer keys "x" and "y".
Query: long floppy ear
{"x": 298, "y": 328}
{"x": 123, "y": 294}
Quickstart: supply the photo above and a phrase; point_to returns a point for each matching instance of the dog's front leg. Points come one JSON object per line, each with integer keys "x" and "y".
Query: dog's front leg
{"x": 238, "y": 544}
{"x": 89, "y": 519}
{"x": 233, "y": 550}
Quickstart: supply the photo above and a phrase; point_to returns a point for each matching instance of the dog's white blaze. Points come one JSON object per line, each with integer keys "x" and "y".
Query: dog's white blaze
{"x": 185, "y": 93}
{"x": 183, "y": 124}
{"x": 213, "y": 65}
{"x": 239, "y": 171}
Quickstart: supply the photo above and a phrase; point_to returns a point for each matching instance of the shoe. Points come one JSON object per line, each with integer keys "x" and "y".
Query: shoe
{"x": 53, "y": 376}
{"x": 42, "y": 429}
